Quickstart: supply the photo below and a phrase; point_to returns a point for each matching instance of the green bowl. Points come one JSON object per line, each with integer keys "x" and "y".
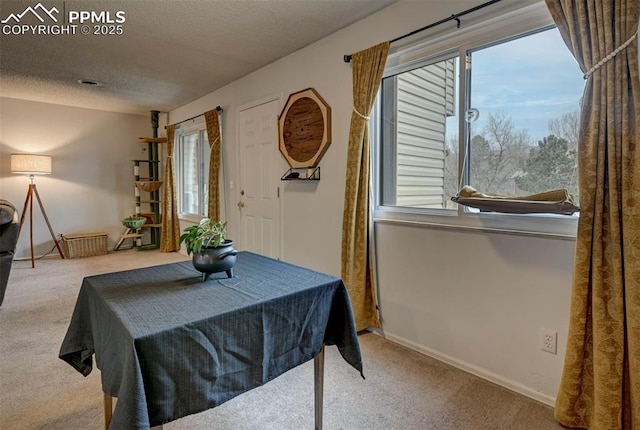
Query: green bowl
{"x": 134, "y": 222}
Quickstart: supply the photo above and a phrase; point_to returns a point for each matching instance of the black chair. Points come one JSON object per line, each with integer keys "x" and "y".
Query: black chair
{"x": 9, "y": 228}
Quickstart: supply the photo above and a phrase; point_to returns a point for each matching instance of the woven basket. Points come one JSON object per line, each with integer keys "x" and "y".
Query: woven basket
{"x": 149, "y": 186}
{"x": 85, "y": 245}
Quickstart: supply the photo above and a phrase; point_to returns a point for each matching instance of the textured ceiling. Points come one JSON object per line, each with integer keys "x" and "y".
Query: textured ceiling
{"x": 170, "y": 52}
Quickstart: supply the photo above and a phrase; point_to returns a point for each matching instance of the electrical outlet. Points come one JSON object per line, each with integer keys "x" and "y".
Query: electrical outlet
{"x": 549, "y": 340}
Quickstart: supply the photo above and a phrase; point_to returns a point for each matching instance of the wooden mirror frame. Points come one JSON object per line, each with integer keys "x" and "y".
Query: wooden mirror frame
{"x": 304, "y": 129}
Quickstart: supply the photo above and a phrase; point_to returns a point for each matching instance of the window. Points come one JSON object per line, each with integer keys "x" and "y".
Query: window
{"x": 496, "y": 108}
{"x": 419, "y": 121}
{"x": 193, "y": 153}
{"x": 525, "y": 138}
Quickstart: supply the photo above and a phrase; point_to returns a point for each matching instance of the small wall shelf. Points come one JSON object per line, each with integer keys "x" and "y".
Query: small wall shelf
{"x": 302, "y": 174}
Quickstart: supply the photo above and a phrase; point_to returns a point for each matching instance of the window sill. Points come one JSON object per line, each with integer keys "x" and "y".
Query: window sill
{"x": 195, "y": 219}
{"x": 560, "y": 227}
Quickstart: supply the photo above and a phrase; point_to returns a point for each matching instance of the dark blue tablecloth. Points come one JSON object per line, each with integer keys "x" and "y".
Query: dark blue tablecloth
{"x": 169, "y": 345}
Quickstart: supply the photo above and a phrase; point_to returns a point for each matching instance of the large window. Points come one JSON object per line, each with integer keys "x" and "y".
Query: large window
{"x": 496, "y": 109}
{"x": 193, "y": 154}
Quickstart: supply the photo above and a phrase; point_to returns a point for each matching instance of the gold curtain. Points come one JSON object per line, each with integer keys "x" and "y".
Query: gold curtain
{"x": 170, "y": 235}
{"x": 213, "y": 134}
{"x": 368, "y": 66}
{"x": 600, "y": 386}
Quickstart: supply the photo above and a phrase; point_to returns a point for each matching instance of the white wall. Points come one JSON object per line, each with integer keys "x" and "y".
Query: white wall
{"x": 91, "y": 188}
{"x": 478, "y": 300}
{"x": 474, "y": 299}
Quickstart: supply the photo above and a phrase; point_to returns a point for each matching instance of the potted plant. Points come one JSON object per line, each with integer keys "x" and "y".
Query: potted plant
{"x": 212, "y": 251}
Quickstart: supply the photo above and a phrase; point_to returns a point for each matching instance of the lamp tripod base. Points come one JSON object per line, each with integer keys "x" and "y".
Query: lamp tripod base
{"x": 28, "y": 203}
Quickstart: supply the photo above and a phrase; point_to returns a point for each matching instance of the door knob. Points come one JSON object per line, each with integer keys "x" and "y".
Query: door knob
{"x": 241, "y": 204}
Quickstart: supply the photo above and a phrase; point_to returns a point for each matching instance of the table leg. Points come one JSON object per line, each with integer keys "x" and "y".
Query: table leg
{"x": 318, "y": 373}
{"x": 108, "y": 410}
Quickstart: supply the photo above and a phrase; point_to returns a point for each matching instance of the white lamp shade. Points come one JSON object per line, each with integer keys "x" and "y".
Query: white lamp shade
{"x": 30, "y": 164}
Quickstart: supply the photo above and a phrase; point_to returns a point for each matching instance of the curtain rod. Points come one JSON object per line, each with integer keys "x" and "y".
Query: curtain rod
{"x": 456, "y": 17}
{"x": 218, "y": 108}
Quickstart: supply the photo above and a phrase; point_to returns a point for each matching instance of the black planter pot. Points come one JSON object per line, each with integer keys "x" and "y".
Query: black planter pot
{"x": 216, "y": 259}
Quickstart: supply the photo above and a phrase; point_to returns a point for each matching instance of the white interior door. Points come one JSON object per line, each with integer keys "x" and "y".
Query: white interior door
{"x": 258, "y": 199}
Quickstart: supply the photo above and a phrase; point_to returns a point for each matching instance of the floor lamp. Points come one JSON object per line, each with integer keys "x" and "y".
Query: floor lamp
{"x": 32, "y": 165}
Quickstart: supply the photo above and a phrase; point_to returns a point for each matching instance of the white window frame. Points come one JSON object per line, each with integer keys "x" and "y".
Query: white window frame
{"x": 417, "y": 52}
{"x": 194, "y": 126}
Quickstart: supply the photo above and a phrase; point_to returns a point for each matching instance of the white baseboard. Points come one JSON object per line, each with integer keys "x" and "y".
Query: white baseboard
{"x": 470, "y": 368}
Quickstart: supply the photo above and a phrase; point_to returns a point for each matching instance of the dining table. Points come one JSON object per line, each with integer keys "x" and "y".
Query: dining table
{"x": 169, "y": 344}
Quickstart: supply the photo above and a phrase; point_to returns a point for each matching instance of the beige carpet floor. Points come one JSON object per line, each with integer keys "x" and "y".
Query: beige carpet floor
{"x": 402, "y": 390}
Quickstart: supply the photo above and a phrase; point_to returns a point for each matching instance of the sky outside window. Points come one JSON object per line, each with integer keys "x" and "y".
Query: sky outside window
{"x": 532, "y": 79}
